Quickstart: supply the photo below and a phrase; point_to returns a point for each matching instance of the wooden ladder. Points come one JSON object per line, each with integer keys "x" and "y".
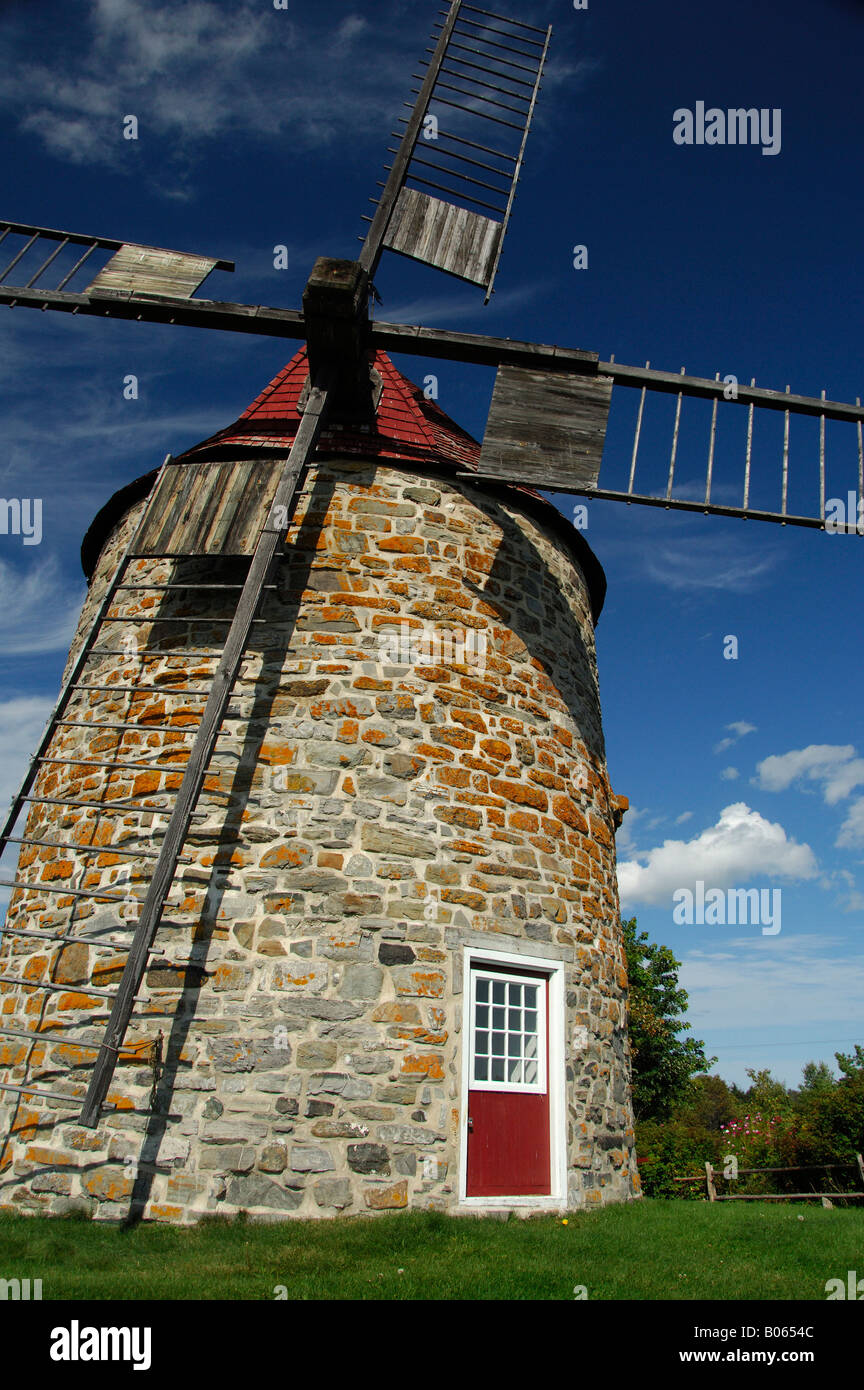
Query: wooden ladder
{"x": 166, "y": 858}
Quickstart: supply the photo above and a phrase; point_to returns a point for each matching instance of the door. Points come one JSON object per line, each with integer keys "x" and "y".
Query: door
{"x": 508, "y": 1087}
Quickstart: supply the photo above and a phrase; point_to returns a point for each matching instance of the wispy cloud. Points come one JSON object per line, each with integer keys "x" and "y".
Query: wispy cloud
{"x": 38, "y": 607}
{"x": 709, "y": 562}
{"x": 811, "y": 978}
{"x": 738, "y": 730}
{"x": 193, "y": 71}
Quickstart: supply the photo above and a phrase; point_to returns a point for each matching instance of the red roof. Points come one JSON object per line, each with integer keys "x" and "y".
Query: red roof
{"x": 407, "y": 426}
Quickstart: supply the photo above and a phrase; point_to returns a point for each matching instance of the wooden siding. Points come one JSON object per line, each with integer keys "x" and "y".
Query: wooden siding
{"x": 451, "y": 238}
{"x": 146, "y": 270}
{"x": 209, "y": 508}
{"x": 546, "y": 428}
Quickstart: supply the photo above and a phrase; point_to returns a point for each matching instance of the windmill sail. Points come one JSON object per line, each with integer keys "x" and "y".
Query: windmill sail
{"x": 465, "y": 138}
{"x": 723, "y": 448}
{"x": 132, "y": 269}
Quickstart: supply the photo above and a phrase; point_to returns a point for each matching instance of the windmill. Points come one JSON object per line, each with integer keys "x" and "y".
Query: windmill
{"x": 546, "y": 429}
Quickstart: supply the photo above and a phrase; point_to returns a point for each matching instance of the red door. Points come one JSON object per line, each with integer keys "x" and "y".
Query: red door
{"x": 508, "y": 1090}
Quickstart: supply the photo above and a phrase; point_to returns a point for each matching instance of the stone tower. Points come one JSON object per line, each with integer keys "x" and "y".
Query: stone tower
{"x": 391, "y": 972}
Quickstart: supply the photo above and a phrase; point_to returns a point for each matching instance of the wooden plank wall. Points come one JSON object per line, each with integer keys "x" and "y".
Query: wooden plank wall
{"x": 546, "y": 429}
{"x": 209, "y": 508}
{"x": 445, "y": 236}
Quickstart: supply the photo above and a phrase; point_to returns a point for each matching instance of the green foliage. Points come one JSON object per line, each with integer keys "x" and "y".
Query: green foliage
{"x": 664, "y": 1062}
{"x": 766, "y": 1126}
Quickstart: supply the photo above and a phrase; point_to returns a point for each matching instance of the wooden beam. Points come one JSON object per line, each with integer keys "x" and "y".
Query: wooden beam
{"x": 265, "y": 321}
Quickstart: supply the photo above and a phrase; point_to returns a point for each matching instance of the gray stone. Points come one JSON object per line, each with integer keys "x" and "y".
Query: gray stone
{"x": 227, "y": 1158}
{"x": 306, "y": 1159}
{"x": 333, "y": 1192}
{"x": 385, "y": 839}
{"x": 392, "y": 954}
{"x": 317, "y": 1054}
{"x": 368, "y": 1158}
{"x": 258, "y": 1191}
{"x": 362, "y": 981}
{"x": 274, "y": 1159}
{"x": 408, "y": 1134}
{"x": 248, "y": 1054}
{"x": 339, "y": 1129}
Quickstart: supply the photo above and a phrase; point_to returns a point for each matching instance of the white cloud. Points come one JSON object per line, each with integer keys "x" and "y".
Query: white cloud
{"x": 684, "y": 816}
{"x": 741, "y": 845}
{"x": 730, "y": 774}
{"x": 836, "y": 766}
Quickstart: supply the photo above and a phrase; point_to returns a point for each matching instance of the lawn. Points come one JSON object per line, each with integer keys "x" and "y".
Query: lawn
{"x": 652, "y": 1250}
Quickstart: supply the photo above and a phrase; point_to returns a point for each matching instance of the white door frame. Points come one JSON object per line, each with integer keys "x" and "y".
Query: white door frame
{"x": 554, "y": 972}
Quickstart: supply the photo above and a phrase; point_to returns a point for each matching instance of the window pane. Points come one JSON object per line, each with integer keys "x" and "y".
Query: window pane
{"x": 514, "y": 1071}
{"x": 530, "y": 1046}
{"x": 499, "y": 1018}
{"x": 498, "y": 1044}
{"x": 483, "y": 989}
{"x": 530, "y": 1024}
{"x": 481, "y": 1069}
{"x": 497, "y": 1068}
{"x": 499, "y": 992}
{"x": 516, "y": 994}
{"x": 481, "y": 1042}
{"x": 530, "y": 996}
{"x": 514, "y": 1020}
{"x": 482, "y": 1015}
{"x": 514, "y": 1044}
{"x": 531, "y": 1073}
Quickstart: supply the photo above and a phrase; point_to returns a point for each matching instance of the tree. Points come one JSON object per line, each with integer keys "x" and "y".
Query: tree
{"x": 766, "y": 1092}
{"x": 664, "y": 1062}
{"x": 710, "y": 1104}
{"x": 818, "y": 1079}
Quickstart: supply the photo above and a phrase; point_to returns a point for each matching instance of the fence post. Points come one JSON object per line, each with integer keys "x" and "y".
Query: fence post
{"x": 709, "y": 1182}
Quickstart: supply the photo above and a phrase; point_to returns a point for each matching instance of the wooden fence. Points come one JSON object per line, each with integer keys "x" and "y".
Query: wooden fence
{"x": 711, "y": 1176}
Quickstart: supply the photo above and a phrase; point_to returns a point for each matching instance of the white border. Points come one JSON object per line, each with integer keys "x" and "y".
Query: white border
{"x": 525, "y": 1088}
{"x": 554, "y": 971}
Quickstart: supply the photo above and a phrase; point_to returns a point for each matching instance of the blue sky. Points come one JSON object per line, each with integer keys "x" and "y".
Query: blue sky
{"x": 259, "y": 128}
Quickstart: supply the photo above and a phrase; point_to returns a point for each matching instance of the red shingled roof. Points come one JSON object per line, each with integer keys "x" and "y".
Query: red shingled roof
{"x": 407, "y": 425}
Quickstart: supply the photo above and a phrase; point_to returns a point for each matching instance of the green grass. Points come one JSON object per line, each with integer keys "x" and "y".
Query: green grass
{"x": 653, "y": 1250}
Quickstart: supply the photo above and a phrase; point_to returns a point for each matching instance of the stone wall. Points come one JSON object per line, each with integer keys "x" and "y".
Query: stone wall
{"x": 370, "y": 810}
